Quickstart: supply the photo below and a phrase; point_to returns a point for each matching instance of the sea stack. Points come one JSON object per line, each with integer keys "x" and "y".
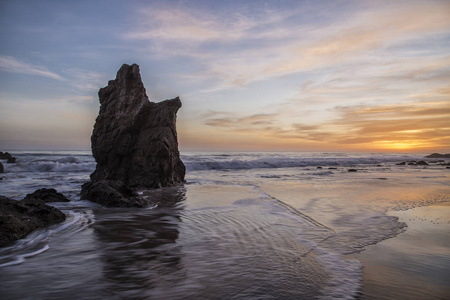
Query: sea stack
{"x": 134, "y": 143}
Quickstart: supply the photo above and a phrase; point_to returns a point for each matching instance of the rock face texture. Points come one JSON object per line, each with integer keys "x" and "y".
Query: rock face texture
{"x": 18, "y": 218}
{"x": 134, "y": 142}
{"x": 112, "y": 193}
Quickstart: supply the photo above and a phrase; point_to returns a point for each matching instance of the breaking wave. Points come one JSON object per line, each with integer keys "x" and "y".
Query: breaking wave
{"x": 65, "y": 164}
{"x": 273, "y": 160}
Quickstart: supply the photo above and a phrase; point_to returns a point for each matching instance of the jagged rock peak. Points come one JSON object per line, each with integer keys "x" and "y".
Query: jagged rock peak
{"x": 134, "y": 141}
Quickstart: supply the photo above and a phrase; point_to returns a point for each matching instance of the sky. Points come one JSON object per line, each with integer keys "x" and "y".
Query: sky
{"x": 358, "y": 75}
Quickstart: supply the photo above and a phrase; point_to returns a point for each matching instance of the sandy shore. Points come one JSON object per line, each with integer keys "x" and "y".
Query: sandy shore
{"x": 416, "y": 263}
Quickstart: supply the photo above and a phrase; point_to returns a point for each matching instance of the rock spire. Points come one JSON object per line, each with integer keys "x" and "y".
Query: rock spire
{"x": 134, "y": 142}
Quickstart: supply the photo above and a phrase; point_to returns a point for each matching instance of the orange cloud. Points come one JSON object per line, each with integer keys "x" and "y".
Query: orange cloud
{"x": 418, "y": 127}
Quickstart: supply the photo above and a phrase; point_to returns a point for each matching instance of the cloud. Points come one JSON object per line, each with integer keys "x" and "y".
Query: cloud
{"x": 181, "y": 24}
{"x": 367, "y": 31}
{"x": 413, "y": 125}
{"x": 387, "y": 80}
{"x": 243, "y": 46}
{"x": 85, "y": 80}
{"x": 10, "y": 64}
{"x": 401, "y": 126}
{"x": 245, "y": 123}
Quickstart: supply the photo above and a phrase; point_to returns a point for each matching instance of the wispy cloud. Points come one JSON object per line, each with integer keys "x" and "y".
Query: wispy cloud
{"x": 242, "y": 123}
{"x": 85, "y": 80}
{"x": 10, "y": 64}
{"x": 238, "y": 49}
{"x": 367, "y": 31}
{"x": 184, "y": 24}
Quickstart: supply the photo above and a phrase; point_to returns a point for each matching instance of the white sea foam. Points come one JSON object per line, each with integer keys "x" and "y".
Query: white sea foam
{"x": 50, "y": 166}
{"x": 21, "y": 258}
{"x": 36, "y": 242}
{"x": 195, "y": 162}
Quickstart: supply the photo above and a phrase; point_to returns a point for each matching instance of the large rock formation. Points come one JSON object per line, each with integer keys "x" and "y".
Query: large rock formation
{"x": 134, "y": 142}
{"x": 18, "y": 218}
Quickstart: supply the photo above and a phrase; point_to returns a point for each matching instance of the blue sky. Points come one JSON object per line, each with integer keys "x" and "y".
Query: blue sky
{"x": 252, "y": 75}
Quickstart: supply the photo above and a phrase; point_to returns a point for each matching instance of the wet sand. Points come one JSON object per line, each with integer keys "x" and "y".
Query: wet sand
{"x": 416, "y": 263}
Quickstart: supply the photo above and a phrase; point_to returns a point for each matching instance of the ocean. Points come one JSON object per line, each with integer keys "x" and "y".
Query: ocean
{"x": 247, "y": 225}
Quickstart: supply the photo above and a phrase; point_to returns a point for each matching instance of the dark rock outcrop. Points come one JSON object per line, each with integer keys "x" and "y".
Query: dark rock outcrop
{"x": 1, "y": 168}
{"x": 111, "y": 193}
{"x": 436, "y": 161}
{"x": 10, "y": 159}
{"x": 134, "y": 142}
{"x": 18, "y": 218}
{"x": 47, "y": 195}
{"x": 438, "y": 155}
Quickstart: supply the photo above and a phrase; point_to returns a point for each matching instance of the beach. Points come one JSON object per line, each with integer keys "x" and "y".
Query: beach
{"x": 247, "y": 225}
{"x": 415, "y": 264}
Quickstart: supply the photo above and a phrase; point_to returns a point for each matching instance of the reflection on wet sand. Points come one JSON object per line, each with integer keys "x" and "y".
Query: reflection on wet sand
{"x": 139, "y": 247}
{"x": 241, "y": 251}
{"x": 416, "y": 264}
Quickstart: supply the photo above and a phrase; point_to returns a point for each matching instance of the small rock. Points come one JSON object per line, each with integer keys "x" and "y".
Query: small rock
{"x": 422, "y": 163}
{"x": 436, "y": 161}
{"x": 401, "y": 164}
{"x": 18, "y": 218}
{"x": 352, "y": 170}
{"x": 47, "y": 195}
{"x": 1, "y": 168}
{"x": 10, "y": 159}
{"x": 319, "y": 168}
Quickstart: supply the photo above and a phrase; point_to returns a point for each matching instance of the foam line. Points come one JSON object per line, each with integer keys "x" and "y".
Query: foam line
{"x": 21, "y": 258}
